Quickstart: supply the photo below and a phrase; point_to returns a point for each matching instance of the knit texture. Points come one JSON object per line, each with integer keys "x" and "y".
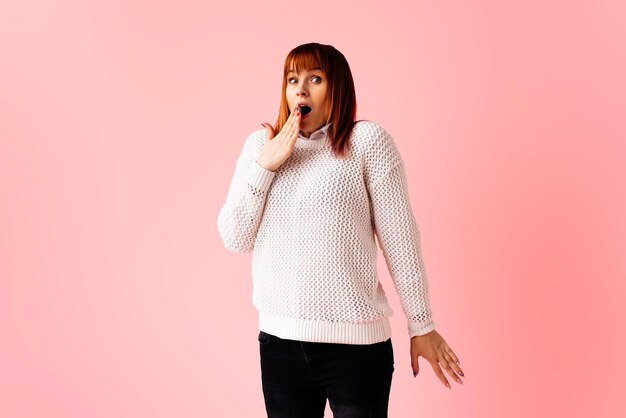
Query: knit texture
{"x": 312, "y": 225}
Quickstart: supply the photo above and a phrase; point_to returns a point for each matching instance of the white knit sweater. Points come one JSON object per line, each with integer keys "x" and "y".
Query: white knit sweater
{"x": 311, "y": 224}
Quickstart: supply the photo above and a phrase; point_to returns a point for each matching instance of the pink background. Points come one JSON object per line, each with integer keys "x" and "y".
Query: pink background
{"x": 120, "y": 123}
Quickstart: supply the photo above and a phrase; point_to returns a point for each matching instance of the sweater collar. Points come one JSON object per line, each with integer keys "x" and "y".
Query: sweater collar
{"x": 317, "y": 139}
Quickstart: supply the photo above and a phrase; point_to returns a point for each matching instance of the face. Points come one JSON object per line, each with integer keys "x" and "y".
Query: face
{"x": 308, "y": 87}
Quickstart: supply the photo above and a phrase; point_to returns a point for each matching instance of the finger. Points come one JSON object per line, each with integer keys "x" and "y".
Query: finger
{"x": 453, "y": 364}
{"x": 446, "y": 366}
{"x": 294, "y": 137}
{"x": 454, "y": 357}
{"x": 440, "y": 374}
{"x": 269, "y": 130}
{"x": 415, "y": 365}
{"x": 289, "y": 124}
{"x": 296, "y": 123}
{"x": 295, "y": 127}
{"x": 293, "y": 115}
{"x": 284, "y": 131}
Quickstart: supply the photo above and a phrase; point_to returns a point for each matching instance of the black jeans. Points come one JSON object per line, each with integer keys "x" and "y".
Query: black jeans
{"x": 298, "y": 377}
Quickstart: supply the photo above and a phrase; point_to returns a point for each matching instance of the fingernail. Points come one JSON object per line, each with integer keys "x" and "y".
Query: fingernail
{"x": 448, "y": 385}
{"x": 414, "y": 374}
{"x": 461, "y": 372}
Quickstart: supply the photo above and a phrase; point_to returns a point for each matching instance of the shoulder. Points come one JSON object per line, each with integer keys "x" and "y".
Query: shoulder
{"x": 375, "y": 142}
{"x": 256, "y": 137}
{"x": 253, "y": 144}
{"x": 367, "y": 131}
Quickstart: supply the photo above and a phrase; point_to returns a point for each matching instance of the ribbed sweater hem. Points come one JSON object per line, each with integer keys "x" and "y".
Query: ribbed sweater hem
{"x": 325, "y": 331}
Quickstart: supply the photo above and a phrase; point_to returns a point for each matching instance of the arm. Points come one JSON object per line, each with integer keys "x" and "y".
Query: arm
{"x": 398, "y": 233}
{"x": 239, "y": 218}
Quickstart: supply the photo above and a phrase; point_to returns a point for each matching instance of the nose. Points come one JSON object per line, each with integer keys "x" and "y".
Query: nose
{"x": 301, "y": 90}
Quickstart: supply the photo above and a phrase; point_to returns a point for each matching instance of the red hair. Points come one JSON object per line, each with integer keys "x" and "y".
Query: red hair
{"x": 340, "y": 105}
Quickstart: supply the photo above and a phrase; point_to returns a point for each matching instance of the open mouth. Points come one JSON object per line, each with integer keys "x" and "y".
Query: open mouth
{"x": 305, "y": 109}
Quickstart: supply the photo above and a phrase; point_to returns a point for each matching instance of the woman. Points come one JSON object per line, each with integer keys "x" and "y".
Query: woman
{"x": 310, "y": 201}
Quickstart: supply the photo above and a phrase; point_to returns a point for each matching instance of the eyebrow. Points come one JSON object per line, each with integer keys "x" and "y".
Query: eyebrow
{"x": 293, "y": 71}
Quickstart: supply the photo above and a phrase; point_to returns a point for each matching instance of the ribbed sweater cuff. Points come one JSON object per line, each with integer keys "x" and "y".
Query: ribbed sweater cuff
{"x": 259, "y": 177}
{"x": 420, "y": 328}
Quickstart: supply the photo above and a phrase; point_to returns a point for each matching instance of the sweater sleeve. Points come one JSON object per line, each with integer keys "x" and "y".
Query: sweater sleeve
{"x": 397, "y": 231}
{"x": 239, "y": 218}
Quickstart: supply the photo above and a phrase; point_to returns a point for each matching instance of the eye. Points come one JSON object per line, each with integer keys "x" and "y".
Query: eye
{"x": 315, "y": 76}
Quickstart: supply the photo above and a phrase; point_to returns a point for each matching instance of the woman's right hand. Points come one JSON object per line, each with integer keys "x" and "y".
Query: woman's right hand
{"x": 276, "y": 150}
